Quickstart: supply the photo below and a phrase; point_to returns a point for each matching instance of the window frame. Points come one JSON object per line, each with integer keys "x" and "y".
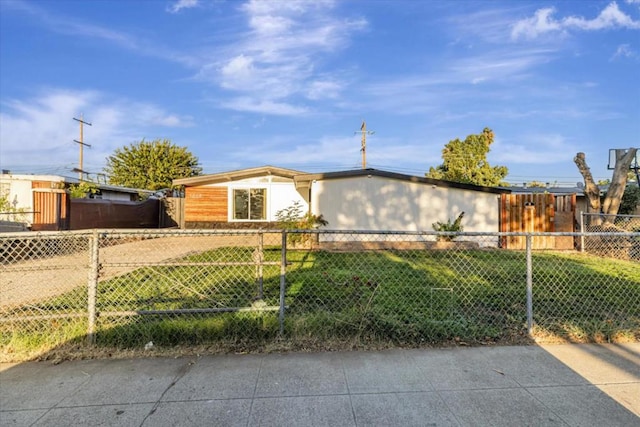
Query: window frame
{"x": 249, "y": 190}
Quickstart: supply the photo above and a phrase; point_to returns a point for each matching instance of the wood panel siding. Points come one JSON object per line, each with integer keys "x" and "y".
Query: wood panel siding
{"x": 47, "y": 184}
{"x": 206, "y": 204}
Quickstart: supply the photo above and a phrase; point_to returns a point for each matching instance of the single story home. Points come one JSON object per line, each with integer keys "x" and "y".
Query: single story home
{"x": 372, "y": 199}
{"x": 364, "y": 199}
{"x": 246, "y": 198}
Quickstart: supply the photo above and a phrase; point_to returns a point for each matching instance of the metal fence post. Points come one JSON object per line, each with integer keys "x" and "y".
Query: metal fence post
{"x": 529, "y": 286}
{"x": 283, "y": 272}
{"x": 581, "y": 231}
{"x": 93, "y": 286}
{"x": 259, "y": 259}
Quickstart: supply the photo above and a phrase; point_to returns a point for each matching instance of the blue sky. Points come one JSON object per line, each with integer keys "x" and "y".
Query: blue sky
{"x": 288, "y": 83}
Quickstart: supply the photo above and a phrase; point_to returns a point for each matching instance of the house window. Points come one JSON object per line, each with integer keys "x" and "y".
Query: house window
{"x": 250, "y": 204}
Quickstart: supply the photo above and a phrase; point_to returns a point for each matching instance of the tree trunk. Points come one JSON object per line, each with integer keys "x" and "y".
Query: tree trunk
{"x": 618, "y": 183}
{"x": 591, "y": 190}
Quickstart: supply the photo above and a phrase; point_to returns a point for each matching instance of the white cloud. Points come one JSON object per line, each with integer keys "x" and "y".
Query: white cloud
{"x": 533, "y": 149}
{"x": 41, "y": 130}
{"x": 624, "y": 51}
{"x": 323, "y": 89}
{"x": 279, "y": 56}
{"x": 77, "y": 28}
{"x": 610, "y": 17}
{"x": 339, "y": 152}
{"x": 264, "y": 106}
{"x": 543, "y": 22}
{"x": 540, "y": 23}
{"x": 182, "y": 4}
{"x": 238, "y": 72}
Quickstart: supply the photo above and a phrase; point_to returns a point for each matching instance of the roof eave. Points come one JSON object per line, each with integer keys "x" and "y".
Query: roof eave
{"x": 236, "y": 175}
{"x": 300, "y": 180}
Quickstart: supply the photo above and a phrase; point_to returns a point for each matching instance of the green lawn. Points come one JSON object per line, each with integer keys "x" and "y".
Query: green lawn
{"x": 340, "y": 299}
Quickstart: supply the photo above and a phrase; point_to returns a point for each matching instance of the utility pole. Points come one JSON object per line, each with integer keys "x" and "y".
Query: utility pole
{"x": 82, "y": 145}
{"x": 363, "y": 149}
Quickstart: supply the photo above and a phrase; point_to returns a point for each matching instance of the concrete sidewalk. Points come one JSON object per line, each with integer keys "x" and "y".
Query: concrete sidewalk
{"x": 577, "y": 385}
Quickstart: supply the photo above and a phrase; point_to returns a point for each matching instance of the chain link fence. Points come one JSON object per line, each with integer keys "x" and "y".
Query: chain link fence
{"x": 596, "y": 222}
{"x": 309, "y": 289}
{"x": 609, "y": 244}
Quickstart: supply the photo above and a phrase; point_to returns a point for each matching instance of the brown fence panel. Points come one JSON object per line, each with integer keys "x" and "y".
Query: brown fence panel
{"x": 96, "y": 213}
{"x": 172, "y": 212}
{"x": 538, "y": 213}
{"x": 51, "y": 210}
{"x": 565, "y": 221}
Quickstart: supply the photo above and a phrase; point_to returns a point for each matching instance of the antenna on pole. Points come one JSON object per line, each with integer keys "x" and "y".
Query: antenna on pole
{"x": 363, "y": 149}
{"x": 81, "y": 143}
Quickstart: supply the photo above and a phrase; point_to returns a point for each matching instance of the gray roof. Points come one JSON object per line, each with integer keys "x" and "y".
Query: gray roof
{"x": 305, "y": 178}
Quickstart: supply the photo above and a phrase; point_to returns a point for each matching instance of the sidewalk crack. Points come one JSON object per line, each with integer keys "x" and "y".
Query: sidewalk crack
{"x": 179, "y": 375}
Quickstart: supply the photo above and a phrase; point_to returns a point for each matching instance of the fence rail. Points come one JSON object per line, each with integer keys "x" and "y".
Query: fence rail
{"x": 124, "y": 288}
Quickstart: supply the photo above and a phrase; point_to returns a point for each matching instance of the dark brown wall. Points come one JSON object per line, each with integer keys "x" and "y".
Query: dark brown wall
{"x": 96, "y": 213}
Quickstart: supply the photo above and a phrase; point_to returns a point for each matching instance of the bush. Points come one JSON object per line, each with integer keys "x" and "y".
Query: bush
{"x": 293, "y": 218}
{"x": 455, "y": 226}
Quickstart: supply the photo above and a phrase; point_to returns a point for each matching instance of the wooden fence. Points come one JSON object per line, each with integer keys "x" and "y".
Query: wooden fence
{"x": 172, "y": 213}
{"x": 541, "y": 212}
{"x": 51, "y": 209}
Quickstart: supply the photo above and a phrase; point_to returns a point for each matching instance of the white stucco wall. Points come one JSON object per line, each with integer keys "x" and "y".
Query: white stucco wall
{"x": 281, "y": 193}
{"x": 376, "y": 203}
{"x": 114, "y": 195}
{"x": 18, "y": 189}
{"x": 18, "y": 193}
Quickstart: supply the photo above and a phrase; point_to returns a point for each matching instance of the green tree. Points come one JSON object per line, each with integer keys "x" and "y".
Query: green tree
{"x": 151, "y": 165}
{"x": 466, "y": 162}
{"x": 82, "y": 190}
{"x": 630, "y": 200}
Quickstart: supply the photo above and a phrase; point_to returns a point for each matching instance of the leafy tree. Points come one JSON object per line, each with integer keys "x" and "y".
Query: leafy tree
{"x": 537, "y": 184}
{"x": 82, "y": 190}
{"x": 151, "y": 165}
{"x": 466, "y": 162}
{"x": 630, "y": 200}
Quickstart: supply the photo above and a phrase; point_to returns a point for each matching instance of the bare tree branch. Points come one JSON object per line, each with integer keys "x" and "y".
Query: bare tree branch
{"x": 591, "y": 189}
{"x": 618, "y": 184}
